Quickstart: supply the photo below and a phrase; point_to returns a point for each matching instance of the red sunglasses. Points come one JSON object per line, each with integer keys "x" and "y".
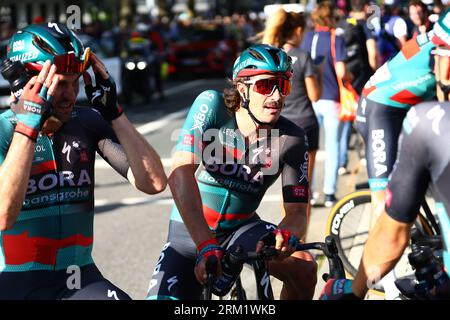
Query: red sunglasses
{"x": 67, "y": 63}
{"x": 267, "y": 86}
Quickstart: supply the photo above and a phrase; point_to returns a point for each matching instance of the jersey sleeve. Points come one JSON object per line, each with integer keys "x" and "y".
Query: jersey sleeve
{"x": 400, "y": 28}
{"x": 203, "y": 114}
{"x": 340, "y": 49}
{"x": 294, "y": 176}
{"x": 410, "y": 177}
{"x": 309, "y": 66}
{"x": 108, "y": 145}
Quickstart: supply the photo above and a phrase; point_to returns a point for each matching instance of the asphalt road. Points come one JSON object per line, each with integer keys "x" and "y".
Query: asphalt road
{"x": 131, "y": 227}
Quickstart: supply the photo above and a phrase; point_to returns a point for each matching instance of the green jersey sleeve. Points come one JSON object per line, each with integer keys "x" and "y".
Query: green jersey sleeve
{"x": 205, "y": 113}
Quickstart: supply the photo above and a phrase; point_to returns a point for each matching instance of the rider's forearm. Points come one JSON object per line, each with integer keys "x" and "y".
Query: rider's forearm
{"x": 14, "y": 176}
{"x": 144, "y": 162}
{"x": 188, "y": 200}
{"x": 295, "y": 219}
{"x": 384, "y": 247}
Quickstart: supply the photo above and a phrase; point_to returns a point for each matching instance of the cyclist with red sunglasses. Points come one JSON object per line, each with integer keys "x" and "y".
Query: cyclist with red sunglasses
{"x": 231, "y": 149}
{"x": 47, "y": 155}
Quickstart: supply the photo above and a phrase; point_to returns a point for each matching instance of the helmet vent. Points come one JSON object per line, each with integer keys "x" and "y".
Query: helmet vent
{"x": 41, "y": 44}
{"x": 274, "y": 54}
{"x": 66, "y": 44}
{"x": 255, "y": 54}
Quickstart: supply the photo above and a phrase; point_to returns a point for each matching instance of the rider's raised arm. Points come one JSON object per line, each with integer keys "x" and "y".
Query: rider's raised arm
{"x": 146, "y": 171}
{"x": 18, "y": 135}
{"x": 15, "y": 165}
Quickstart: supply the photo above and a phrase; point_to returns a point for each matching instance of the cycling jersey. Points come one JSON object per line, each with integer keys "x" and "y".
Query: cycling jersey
{"x": 400, "y": 83}
{"x": 232, "y": 190}
{"x": 54, "y": 229}
{"x": 423, "y": 159}
{"x": 407, "y": 79}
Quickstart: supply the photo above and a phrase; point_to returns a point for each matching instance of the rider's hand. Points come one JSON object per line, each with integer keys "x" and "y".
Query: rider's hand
{"x": 338, "y": 289}
{"x": 104, "y": 95}
{"x": 34, "y": 106}
{"x": 283, "y": 240}
{"x": 206, "y": 249}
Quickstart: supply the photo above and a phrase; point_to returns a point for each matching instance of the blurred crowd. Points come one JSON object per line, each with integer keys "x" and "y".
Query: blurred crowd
{"x": 400, "y": 20}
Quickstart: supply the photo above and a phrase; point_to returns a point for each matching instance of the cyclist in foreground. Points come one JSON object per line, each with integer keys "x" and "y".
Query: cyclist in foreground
{"x": 47, "y": 155}
{"x": 402, "y": 82}
{"x": 230, "y": 150}
{"x": 422, "y": 162}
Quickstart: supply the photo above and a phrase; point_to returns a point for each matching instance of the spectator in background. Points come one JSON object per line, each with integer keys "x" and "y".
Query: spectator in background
{"x": 318, "y": 44}
{"x": 393, "y": 33}
{"x": 361, "y": 62}
{"x": 285, "y": 30}
{"x": 418, "y": 13}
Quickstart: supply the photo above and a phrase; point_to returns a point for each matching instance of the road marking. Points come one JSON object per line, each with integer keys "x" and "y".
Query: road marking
{"x": 145, "y": 200}
{"x": 158, "y": 124}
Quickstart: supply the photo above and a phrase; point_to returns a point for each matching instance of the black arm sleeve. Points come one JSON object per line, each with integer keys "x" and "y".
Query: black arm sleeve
{"x": 108, "y": 146}
{"x": 410, "y": 178}
{"x": 294, "y": 157}
{"x": 309, "y": 66}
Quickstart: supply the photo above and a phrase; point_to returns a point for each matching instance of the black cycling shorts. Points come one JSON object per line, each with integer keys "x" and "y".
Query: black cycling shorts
{"x": 380, "y": 126}
{"x": 59, "y": 285}
{"x": 173, "y": 277}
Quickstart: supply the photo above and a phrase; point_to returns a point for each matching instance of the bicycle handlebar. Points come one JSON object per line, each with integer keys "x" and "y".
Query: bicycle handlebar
{"x": 328, "y": 247}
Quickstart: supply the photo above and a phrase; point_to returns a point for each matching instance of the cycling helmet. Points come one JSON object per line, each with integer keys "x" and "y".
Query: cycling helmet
{"x": 441, "y": 30}
{"x": 37, "y": 43}
{"x": 261, "y": 59}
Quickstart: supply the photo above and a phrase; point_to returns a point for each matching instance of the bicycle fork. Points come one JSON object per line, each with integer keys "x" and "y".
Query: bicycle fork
{"x": 263, "y": 285}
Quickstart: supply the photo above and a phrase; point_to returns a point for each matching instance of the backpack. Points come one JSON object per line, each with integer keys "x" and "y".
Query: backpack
{"x": 357, "y": 60}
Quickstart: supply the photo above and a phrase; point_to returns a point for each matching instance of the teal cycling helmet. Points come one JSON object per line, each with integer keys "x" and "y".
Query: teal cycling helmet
{"x": 261, "y": 59}
{"x": 37, "y": 43}
{"x": 441, "y": 30}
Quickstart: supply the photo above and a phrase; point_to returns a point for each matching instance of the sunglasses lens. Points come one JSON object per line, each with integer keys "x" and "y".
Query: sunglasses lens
{"x": 68, "y": 63}
{"x": 267, "y": 86}
{"x": 285, "y": 87}
{"x": 263, "y": 86}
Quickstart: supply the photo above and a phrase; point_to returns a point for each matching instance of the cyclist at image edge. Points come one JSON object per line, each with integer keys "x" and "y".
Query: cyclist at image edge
{"x": 216, "y": 201}
{"x": 47, "y": 155}
{"x": 404, "y": 81}
{"x": 422, "y": 162}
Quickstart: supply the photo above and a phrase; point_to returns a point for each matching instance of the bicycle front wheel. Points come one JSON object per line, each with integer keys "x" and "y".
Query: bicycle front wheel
{"x": 348, "y": 224}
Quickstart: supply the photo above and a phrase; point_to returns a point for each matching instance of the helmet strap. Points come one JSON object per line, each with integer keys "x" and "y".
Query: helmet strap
{"x": 246, "y": 105}
{"x": 445, "y": 90}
